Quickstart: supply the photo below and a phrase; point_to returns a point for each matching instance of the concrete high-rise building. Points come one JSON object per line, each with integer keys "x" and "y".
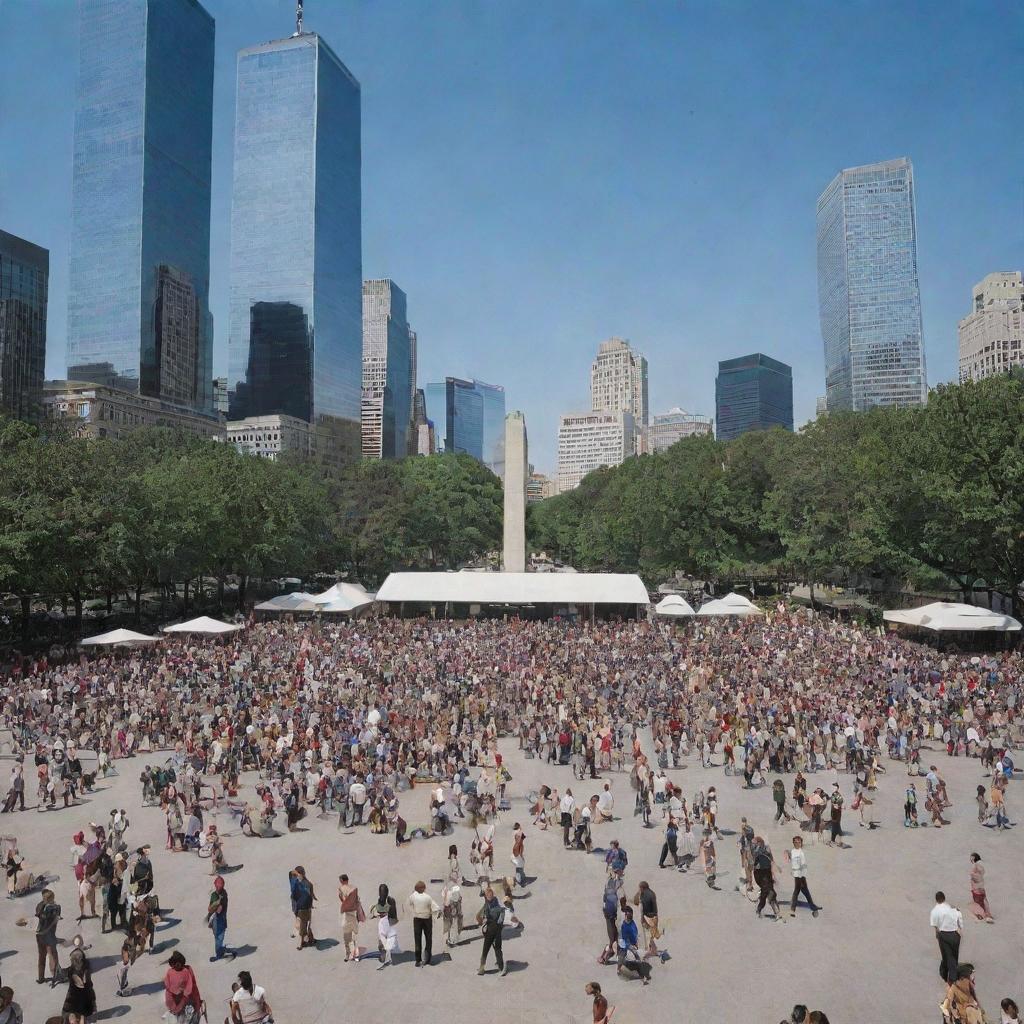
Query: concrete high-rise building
{"x": 413, "y": 446}
{"x": 618, "y": 381}
{"x": 753, "y": 392}
{"x": 24, "y": 282}
{"x": 296, "y": 337}
{"x": 220, "y": 396}
{"x": 516, "y": 465}
{"x": 269, "y": 437}
{"x": 589, "y": 440}
{"x": 388, "y": 361}
{"x": 674, "y": 425}
{"x": 992, "y": 334}
{"x": 138, "y": 308}
{"x": 868, "y": 295}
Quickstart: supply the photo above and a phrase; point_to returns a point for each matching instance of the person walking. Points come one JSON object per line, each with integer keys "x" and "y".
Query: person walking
{"x": 386, "y": 912}
{"x": 648, "y": 903}
{"x": 47, "y": 916}
{"x": 779, "y": 796}
{"x": 217, "y": 917}
{"x": 610, "y": 913}
{"x": 80, "y": 1001}
{"x": 302, "y": 896}
{"x": 350, "y": 908}
{"x": 979, "y": 899}
{"x": 566, "y": 807}
{"x": 600, "y": 1003}
{"x": 798, "y": 865}
{"x": 835, "y": 815}
{"x": 764, "y": 878}
{"x": 948, "y": 923}
{"x": 491, "y": 918}
{"x": 670, "y": 847}
{"x": 424, "y": 909}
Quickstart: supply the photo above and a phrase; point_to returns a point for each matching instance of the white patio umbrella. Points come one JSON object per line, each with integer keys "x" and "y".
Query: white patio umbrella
{"x": 673, "y": 606}
{"x": 951, "y": 617}
{"x": 731, "y": 604}
{"x": 204, "y": 624}
{"x": 118, "y": 638}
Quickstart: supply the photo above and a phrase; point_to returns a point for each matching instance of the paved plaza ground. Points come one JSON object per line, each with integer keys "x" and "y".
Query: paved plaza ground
{"x": 870, "y": 958}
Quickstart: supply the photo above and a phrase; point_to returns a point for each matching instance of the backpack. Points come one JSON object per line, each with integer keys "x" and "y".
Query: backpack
{"x": 303, "y": 897}
{"x": 611, "y": 906}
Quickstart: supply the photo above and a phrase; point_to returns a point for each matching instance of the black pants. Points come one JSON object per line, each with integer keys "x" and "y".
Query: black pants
{"x": 949, "y": 953}
{"x": 800, "y": 886}
{"x": 668, "y": 847}
{"x": 836, "y": 825}
{"x": 767, "y": 887}
{"x": 638, "y": 967}
{"x": 492, "y": 940}
{"x": 423, "y": 929}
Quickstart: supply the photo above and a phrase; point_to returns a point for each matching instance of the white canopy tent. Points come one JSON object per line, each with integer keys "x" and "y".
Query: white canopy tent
{"x": 297, "y": 602}
{"x": 514, "y": 588}
{"x": 731, "y": 604}
{"x": 950, "y": 617}
{"x": 343, "y": 597}
{"x": 204, "y": 624}
{"x": 119, "y": 638}
{"x": 673, "y": 606}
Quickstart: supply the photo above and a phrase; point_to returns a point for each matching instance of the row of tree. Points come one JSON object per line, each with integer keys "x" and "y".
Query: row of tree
{"x": 931, "y": 494}
{"x": 155, "y": 511}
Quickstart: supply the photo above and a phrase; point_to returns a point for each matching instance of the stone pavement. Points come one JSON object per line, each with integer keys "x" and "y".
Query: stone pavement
{"x": 870, "y": 958}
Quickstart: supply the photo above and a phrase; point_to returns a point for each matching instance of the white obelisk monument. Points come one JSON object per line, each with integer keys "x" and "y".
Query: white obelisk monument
{"x": 516, "y": 468}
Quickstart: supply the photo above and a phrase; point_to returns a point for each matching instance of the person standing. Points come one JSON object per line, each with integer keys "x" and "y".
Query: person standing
{"x": 181, "y": 990}
{"x": 386, "y": 912}
{"x": 600, "y": 1005}
{"x": 47, "y": 916}
{"x": 302, "y": 897}
{"x": 764, "y": 877}
{"x": 217, "y": 916}
{"x": 519, "y": 854}
{"x": 80, "y": 1001}
{"x": 835, "y": 814}
{"x": 492, "y": 919}
{"x": 424, "y": 910}
{"x": 948, "y": 923}
{"x": 350, "y": 907}
{"x": 648, "y": 903}
{"x": 979, "y": 899}
{"x": 610, "y": 912}
{"x": 566, "y": 807}
{"x": 798, "y": 865}
{"x": 670, "y": 847}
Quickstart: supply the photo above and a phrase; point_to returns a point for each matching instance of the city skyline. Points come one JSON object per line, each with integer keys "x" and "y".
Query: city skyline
{"x": 685, "y": 236}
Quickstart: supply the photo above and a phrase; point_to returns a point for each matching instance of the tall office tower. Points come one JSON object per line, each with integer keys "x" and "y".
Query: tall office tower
{"x": 676, "y": 424}
{"x": 421, "y": 440}
{"x": 24, "y": 280}
{"x": 992, "y": 334}
{"x": 138, "y": 309}
{"x": 492, "y": 397}
{"x": 413, "y": 447}
{"x": 456, "y": 408}
{"x": 753, "y": 392}
{"x": 517, "y": 467}
{"x": 387, "y": 363}
{"x": 618, "y": 380}
{"x": 295, "y": 344}
{"x": 868, "y": 295}
{"x": 589, "y": 440}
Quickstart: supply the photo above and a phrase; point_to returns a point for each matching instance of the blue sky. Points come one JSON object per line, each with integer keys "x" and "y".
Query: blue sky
{"x": 539, "y": 177}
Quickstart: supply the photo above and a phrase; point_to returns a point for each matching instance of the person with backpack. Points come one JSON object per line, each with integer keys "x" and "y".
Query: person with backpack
{"x": 302, "y": 898}
{"x": 616, "y": 860}
{"x": 669, "y": 847}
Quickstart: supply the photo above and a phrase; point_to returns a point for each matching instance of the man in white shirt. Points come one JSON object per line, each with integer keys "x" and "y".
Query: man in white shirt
{"x": 566, "y": 807}
{"x": 948, "y": 923}
{"x": 423, "y": 910}
{"x": 798, "y": 865}
{"x": 357, "y": 794}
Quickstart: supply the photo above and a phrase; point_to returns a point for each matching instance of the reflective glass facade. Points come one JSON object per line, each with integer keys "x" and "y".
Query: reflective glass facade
{"x": 868, "y": 295}
{"x": 456, "y": 408}
{"x": 492, "y": 397}
{"x": 141, "y": 198}
{"x": 24, "y": 281}
{"x": 296, "y": 245}
{"x": 753, "y": 392}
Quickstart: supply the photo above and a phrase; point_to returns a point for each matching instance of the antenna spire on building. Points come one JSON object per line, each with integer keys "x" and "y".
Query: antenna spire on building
{"x": 298, "y": 17}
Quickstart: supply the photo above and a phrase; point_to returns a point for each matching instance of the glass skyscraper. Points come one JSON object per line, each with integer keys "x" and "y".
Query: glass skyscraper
{"x": 868, "y": 294}
{"x": 752, "y": 392}
{"x": 24, "y": 280}
{"x": 138, "y": 310}
{"x": 456, "y": 408}
{"x": 296, "y": 244}
{"x": 492, "y": 397}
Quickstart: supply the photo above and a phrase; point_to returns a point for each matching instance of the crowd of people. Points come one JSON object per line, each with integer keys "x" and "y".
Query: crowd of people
{"x": 393, "y": 725}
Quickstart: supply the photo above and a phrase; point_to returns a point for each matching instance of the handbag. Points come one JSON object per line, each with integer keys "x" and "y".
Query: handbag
{"x": 360, "y": 913}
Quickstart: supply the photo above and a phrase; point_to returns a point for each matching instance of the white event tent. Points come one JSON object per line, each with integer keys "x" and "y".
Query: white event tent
{"x": 673, "y": 606}
{"x": 731, "y": 604}
{"x": 950, "y": 617}
{"x": 204, "y": 624}
{"x": 118, "y": 638}
{"x": 342, "y": 598}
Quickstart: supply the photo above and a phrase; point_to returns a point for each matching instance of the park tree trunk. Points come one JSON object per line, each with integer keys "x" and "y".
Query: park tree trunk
{"x": 138, "y": 603}
{"x": 220, "y": 593}
{"x": 243, "y": 582}
{"x": 110, "y": 603}
{"x": 184, "y": 606}
{"x": 26, "y": 618}
{"x": 76, "y": 596}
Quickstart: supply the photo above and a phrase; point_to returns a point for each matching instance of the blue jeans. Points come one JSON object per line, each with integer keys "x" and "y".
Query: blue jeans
{"x": 219, "y": 931}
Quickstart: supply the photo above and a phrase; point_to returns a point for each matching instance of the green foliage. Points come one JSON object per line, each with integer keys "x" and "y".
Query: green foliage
{"x": 928, "y": 494}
